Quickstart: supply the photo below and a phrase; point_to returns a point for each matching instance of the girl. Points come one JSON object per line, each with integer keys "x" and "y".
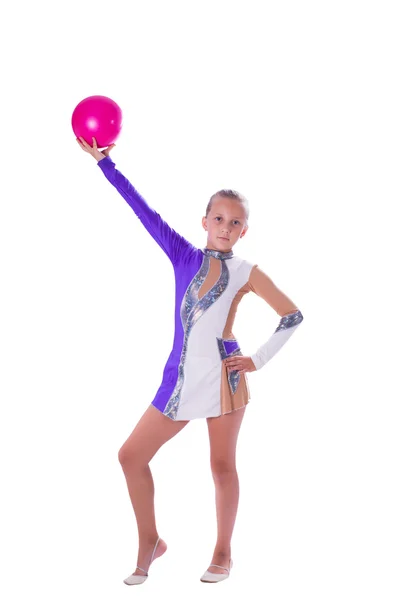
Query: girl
{"x": 205, "y": 374}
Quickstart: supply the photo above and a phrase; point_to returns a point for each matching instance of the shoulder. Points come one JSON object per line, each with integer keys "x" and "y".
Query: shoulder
{"x": 240, "y": 270}
{"x": 242, "y": 265}
{"x": 189, "y": 255}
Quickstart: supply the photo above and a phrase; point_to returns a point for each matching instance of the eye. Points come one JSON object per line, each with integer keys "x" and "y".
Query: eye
{"x": 237, "y": 222}
{"x": 218, "y": 217}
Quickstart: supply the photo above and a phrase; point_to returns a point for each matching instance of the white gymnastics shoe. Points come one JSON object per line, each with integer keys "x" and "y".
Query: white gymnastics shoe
{"x": 209, "y": 577}
{"x": 137, "y": 579}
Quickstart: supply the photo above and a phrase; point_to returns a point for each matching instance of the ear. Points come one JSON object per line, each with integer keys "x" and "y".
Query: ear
{"x": 204, "y": 223}
{"x": 244, "y": 231}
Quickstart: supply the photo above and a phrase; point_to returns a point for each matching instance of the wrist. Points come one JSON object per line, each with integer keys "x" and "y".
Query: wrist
{"x": 256, "y": 362}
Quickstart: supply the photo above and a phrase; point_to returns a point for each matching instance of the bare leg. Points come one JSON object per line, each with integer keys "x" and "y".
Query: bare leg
{"x": 150, "y": 433}
{"x": 223, "y": 432}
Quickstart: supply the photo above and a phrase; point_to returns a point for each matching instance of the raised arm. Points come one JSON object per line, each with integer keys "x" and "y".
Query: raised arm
{"x": 173, "y": 244}
{"x": 263, "y": 286}
{"x": 167, "y": 238}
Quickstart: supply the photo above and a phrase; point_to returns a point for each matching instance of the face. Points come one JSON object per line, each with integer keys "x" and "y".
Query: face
{"x": 225, "y": 224}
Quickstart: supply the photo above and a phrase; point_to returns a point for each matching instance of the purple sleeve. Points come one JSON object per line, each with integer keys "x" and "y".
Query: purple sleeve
{"x": 173, "y": 244}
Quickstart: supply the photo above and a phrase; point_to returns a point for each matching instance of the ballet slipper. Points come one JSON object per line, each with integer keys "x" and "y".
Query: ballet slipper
{"x": 138, "y": 579}
{"x": 209, "y": 577}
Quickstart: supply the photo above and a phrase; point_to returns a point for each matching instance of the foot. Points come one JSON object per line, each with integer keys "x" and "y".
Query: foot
{"x": 222, "y": 559}
{"x": 145, "y": 552}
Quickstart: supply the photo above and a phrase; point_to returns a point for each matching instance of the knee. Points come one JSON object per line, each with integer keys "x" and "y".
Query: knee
{"x": 129, "y": 457}
{"x": 223, "y": 469}
{"x": 123, "y": 455}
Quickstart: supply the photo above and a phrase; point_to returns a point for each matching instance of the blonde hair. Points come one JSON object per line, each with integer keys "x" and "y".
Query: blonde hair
{"x": 234, "y": 196}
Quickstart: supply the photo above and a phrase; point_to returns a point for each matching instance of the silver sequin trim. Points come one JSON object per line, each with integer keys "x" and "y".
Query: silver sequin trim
{"x": 233, "y": 376}
{"x": 218, "y": 254}
{"x": 191, "y": 311}
{"x": 290, "y": 321}
{"x": 191, "y": 296}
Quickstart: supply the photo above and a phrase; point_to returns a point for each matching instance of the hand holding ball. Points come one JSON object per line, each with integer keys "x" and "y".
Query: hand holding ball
{"x": 98, "y": 117}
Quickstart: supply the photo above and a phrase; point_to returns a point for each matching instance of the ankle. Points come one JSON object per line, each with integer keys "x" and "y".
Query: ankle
{"x": 147, "y": 541}
{"x": 222, "y": 552}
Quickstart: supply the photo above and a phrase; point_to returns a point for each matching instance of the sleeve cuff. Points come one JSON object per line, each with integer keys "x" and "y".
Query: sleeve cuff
{"x": 105, "y": 163}
{"x": 257, "y": 363}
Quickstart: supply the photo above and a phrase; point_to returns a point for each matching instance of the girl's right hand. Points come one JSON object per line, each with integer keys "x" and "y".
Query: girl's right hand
{"x": 93, "y": 150}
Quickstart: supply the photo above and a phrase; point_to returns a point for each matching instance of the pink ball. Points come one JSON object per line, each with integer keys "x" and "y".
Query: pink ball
{"x": 99, "y": 117}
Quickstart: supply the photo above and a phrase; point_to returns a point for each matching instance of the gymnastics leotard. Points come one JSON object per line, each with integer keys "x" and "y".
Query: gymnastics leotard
{"x": 209, "y": 285}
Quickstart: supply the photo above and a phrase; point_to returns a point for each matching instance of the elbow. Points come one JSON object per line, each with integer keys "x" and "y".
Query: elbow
{"x": 296, "y": 314}
{"x": 292, "y": 311}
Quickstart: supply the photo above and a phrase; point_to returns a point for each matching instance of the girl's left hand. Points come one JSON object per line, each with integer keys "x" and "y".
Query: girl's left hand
{"x": 243, "y": 364}
{"x": 93, "y": 150}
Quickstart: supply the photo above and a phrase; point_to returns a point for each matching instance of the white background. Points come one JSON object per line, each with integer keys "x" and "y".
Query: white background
{"x": 296, "y": 105}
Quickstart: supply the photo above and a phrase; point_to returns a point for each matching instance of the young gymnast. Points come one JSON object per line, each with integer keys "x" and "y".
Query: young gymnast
{"x": 205, "y": 374}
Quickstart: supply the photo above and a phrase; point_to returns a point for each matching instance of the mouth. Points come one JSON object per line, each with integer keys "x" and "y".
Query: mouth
{"x": 223, "y": 238}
